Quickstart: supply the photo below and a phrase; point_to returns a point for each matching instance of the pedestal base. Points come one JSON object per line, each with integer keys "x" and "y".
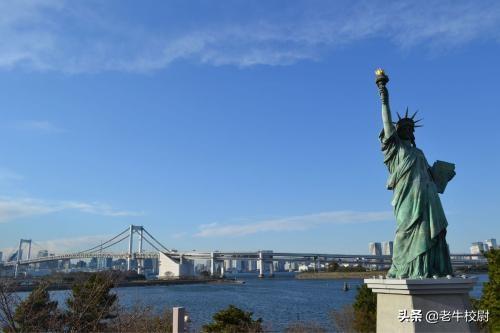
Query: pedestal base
{"x": 427, "y": 305}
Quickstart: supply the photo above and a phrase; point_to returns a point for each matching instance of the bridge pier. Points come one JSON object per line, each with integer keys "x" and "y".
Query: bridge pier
{"x": 261, "y": 265}
{"x": 130, "y": 243}
{"x": 222, "y": 270}
{"x": 212, "y": 264}
{"x": 140, "y": 262}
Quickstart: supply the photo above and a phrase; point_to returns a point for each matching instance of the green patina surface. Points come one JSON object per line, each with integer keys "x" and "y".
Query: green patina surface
{"x": 420, "y": 248}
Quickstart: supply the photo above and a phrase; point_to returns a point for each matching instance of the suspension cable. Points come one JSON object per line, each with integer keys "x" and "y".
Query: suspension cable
{"x": 109, "y": 245}
{"x": 100, "y": 246}
{"x": 161, "y": 245}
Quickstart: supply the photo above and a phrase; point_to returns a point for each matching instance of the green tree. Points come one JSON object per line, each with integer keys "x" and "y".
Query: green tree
{"x": 333, "y": 266}
{"x": 37, "y": 313}
{"x": 490, "y": 299}
{"x": 91, "y": 304}
{"x": 233, "y": 320}
{"x": 365, "y": 310}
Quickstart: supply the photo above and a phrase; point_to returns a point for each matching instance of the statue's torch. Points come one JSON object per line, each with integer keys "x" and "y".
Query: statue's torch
{"x": 380, "y": 78}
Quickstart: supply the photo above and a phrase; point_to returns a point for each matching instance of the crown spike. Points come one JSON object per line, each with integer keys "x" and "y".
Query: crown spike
{"x": 418, "y": 126}
{"x": 399, "y": 117}
{"x": 406, "y": 115}
{"x": 416, "y": 121}
{"x": 413, "y": 117}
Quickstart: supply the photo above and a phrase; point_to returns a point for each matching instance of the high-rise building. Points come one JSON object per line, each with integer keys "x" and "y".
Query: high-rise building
{"x": 104, "y": 263}
{"x": 1, "y": 256}
{"x": 42, "y": 254}
{"x": 375, "y": 248}
{"x": 490, "y": 243}
{"x": 387, "y": 248}
{"x": 477, "y": 248}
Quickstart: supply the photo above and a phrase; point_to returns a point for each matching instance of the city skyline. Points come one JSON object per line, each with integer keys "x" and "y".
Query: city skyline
{"x": 239, "y": 126}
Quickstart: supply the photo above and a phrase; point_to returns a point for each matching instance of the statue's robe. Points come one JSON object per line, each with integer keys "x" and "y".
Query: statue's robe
{"x": 420, "y": 248}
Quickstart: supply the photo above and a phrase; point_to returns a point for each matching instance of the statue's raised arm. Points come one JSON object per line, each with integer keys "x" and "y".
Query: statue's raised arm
{"x": 381, "y": 80}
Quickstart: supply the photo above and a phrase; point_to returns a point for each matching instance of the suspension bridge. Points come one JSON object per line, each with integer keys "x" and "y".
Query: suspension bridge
{"x": 217, "y": 258}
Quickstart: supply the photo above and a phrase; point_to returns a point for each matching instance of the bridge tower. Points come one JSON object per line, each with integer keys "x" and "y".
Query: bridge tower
{"x": 20, "y": 253}
{"x": 139, "y": 229}
{"x": 261, "y": 264}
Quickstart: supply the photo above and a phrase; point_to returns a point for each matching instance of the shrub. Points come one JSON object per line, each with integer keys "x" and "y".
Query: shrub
{"x": 37, "y": 313}
{"x": 233, "y": 320}
{"x": 91, "y": 304}
{"x": 490, "y": 300}
{"x": 365, "y": 310}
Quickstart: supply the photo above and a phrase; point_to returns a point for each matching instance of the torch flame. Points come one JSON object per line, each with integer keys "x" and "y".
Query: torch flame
{"x": 379, "y": 71}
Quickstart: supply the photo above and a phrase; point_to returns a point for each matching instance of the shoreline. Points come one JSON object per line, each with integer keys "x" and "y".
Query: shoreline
{"x": 338, "y": 275}
{"x": 127, "y": 284}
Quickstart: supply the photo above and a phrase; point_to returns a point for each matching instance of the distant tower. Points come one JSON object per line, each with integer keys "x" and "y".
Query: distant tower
{"x": 375, "y": 248}
{"x": 490, "y": 243}
{"x": 477, "y": 248}
{"x": 387, "y": 248}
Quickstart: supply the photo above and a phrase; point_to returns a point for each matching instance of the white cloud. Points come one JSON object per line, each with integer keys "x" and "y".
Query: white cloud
{"x": 7, "y": 175}
{"x": 15, "y": 208}
{"x": 63, "y": 245}
{"x": 42, "y": 126}
{"x": 82, "y": 37}
{"x": 293, "y": 223}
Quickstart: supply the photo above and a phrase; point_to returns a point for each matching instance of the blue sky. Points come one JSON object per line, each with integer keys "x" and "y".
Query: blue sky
{"x": 239, "y": 124}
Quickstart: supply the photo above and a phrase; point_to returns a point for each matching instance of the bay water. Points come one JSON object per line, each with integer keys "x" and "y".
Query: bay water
{"x": 279, "y": 301}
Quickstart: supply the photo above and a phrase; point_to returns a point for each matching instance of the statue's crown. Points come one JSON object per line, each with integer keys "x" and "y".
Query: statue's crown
{"x": 407, "y": 121}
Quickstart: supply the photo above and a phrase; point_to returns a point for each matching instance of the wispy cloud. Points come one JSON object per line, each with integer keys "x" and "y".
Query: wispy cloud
{"x": 292, "y": 223}
{"x": 42, "y": 126}
{"x": 7, "y": 175}
{"x": 63, "y": 245}
{"x": 16, "y": 208}
{"x": 82, "y": 37}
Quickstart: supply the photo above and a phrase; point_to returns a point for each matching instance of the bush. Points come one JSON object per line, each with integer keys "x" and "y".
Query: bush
{"x": 490, "y": 299}
{"x": 365, "y": 310}
{"x": 142, "y": 319}
{"x": 233, "y": 320}
{"x": 8, "y": 302}
{"x": 91, "y": 304}
{"x": 37, "y": 312}
{"x": 343, "y": 319}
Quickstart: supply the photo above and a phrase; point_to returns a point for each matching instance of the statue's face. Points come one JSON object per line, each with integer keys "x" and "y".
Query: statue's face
{"x": 406, "y": 133}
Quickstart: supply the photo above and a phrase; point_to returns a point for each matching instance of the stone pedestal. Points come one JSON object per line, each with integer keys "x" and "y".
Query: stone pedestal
{"x": 423, "y": 305}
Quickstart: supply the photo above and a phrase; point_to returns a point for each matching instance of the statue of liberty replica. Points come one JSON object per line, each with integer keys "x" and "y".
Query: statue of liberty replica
{"x": 420, "y": 248}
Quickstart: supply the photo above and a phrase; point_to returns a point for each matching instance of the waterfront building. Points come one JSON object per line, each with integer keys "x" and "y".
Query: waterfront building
{"x": 1, "y": 256}
{"x": 291, "y": 266}
{"x": 387, "y": 248}
{"x": 477, "y": 248}
{"x": 252, "y": 265}
{"x": 169, "y": 268}
{"x": 490, "y": 243}
{"x": 92, "y": 263}
{"x": 237, "y": 265}
{"x": 228, "y": 265}
{"x": 64, "y": 264}
{"x": 104, "y": 263}
{"x": 81, "y": 264}
{"x": 120, "y": 264}
{"x": 279, "y": 266}
{"x": 375, "y": 248}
